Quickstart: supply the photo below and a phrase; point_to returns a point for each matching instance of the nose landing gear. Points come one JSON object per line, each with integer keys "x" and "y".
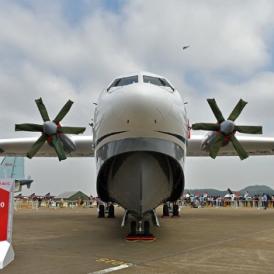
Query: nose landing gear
{"x": 140, "y": 227}
{"x": 140, "y": 231}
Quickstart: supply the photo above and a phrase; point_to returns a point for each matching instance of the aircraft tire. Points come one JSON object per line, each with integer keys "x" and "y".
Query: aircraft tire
{"x": 101, "y": 213}
{"x": 111, "y": 211}
{"x": 146, "y": 228}
{"x": 165, "y": 210}
{"x": 175, "y": 210}
{"x": 133, "y": 228}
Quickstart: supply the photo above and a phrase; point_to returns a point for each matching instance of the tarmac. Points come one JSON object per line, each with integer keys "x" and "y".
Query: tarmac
{"x": 203, "y": 240}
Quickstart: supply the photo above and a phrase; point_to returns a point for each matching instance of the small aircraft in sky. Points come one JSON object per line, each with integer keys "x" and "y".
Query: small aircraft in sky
{"x": 185, "y": 47}
{"x": 141, "y": 139}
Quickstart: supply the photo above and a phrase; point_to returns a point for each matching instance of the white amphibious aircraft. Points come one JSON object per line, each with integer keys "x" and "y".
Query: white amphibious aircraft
{"x": 141, "y": 137}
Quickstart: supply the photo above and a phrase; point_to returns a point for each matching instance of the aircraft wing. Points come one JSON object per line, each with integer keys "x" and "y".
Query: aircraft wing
{"x": 252, "y": 145}
{"x": 20, "y": 147}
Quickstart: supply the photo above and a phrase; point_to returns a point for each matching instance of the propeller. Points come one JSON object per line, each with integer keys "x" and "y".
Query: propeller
{"x": 226, "y": 129}
{"x": 51, "y": 131}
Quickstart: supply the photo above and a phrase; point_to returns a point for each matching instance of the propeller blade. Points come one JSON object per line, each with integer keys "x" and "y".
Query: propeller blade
{"x": 29, "y": 127}
{"x": 237, "y": 110}
{"x": 36, "y": 146}
{"x": 214, "y": 149}
{"x": 63, "y": 112}
{"x": 205, "y": 126}
{"x": 58, "y": 147}
{"x": 72, "y": 130}
{"x": 218, "y": 114}
{"x": 239, "y": 148}
{"x": 42, "y": 109}
{"x": 249, "y": 129}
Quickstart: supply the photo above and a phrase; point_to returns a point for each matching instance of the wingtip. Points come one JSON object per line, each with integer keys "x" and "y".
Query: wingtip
{"x": 243, "y": 101}
{"x": 212, "y": 156}
{"x": 62, "y": 159}
{"x": 38, "y": 100}
{"x": 244, "y": 157}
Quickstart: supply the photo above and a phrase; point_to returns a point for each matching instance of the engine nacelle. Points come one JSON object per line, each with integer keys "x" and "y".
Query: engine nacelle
{"x": 69, "y": 145}
{"x": 209, "y": 139}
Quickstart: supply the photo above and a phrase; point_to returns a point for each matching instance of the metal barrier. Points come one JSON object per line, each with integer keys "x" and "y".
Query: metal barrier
{"x": 21, "y": 204}
{"x": 251, "y": 203}
{"x": 29, "y": 204}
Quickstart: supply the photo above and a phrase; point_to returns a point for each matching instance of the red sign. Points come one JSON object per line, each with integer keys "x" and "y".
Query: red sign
{"x": 4, "y": 214}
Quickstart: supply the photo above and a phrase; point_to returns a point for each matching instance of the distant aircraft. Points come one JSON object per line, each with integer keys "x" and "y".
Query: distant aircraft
{"x": 185, "y": 47}
{"x": 140, "y": 141}
{"x": 34, "y": 197}
{"x": 14, "y": 168}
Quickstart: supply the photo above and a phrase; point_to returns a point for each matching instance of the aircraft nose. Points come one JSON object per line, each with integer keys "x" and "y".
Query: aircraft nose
{"x": 142, "y": 106}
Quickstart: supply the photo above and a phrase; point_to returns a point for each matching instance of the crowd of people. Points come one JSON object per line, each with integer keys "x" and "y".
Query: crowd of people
{"x": 230, "y": 200}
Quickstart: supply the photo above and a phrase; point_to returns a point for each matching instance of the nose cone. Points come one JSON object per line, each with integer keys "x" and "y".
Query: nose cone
{"x": 141, "y": 106}
{"x": 141, "y": 110}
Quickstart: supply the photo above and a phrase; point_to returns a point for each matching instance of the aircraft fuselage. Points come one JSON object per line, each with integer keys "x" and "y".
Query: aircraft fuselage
{"x": 140, "y": 133}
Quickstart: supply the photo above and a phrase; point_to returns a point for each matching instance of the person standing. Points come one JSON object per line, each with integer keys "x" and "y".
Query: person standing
{"x": 264, "y": 200}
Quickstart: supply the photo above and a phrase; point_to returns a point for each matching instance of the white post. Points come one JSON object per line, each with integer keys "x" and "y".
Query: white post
{"x": 6, "y": 219}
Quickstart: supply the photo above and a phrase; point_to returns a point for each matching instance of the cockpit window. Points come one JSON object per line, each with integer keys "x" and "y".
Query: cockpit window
{"x": 157, "y": 81}
{"x": 124, "y": 81}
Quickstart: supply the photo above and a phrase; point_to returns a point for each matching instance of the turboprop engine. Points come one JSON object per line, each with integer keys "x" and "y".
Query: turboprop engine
{"x": 52, "y": 131}
{"x": 224, "y": 130}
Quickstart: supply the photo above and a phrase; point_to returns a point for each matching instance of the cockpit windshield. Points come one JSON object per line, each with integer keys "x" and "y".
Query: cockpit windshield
{"x": 157, "y": 81}
{"x": 124, "y": 81}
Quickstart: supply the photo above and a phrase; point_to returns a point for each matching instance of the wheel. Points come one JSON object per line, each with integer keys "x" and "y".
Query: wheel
{"x": 165, "y": 210}
{"x": 175, "y": 210}
{"x": 146, "y": 228}
{"x": 111, "y": 211}
{"x": 101, "y": 213}
{"x": 133, "y": 227}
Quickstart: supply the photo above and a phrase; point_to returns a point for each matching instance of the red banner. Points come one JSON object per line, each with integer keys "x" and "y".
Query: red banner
{"x": 4, "y": 214}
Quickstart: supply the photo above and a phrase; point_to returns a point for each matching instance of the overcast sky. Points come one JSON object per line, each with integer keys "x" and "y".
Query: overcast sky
{"x": 61, "y": 50}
